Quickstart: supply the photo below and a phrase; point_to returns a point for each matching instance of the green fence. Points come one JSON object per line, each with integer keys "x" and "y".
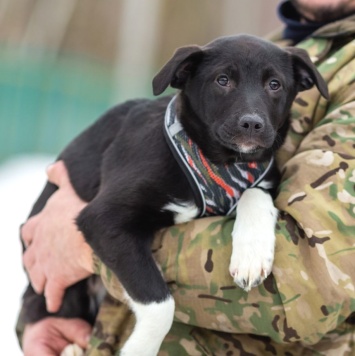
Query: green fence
{"x": 45, "y": 101}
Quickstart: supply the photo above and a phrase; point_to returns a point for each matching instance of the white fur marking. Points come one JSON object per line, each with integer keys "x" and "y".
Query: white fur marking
{"x": 183, "y": 212}
{"x": 153, "y": 321}
{"x": 253, "y": 239}
{"x": 72, "y": 350}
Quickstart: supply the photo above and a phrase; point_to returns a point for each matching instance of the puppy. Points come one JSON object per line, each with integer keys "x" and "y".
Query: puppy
{"x": 149, "y": 164}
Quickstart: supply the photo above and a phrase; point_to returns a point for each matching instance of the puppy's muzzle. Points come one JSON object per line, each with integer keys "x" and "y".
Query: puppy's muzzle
{"x": 253, "y": 132}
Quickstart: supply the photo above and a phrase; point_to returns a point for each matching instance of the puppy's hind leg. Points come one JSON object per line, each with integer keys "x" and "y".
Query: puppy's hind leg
{"x": 126, "y": 250}
{"x": 151, "y": 302}
{"x": 153, "y": 321}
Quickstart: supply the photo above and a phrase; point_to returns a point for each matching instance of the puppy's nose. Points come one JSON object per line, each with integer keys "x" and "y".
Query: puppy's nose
{"x": 251, "y": 124}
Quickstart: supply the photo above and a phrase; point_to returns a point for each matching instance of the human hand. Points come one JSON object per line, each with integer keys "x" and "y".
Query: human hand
{"x": 49, "y": 336}
{"x": 57, "y": 255}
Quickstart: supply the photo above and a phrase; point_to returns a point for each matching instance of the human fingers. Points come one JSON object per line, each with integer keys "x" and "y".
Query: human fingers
{"x": 42, "y": 339}
{"x": 28, "y": 259}
{"x": 49, "y": 336}
{"x": 54, "y": 293}
{"x": 34, "y": 271}
{"x": 76, "y": 331}
{"x": 39, "y": 349}
{"x": 37, "y": 277}
{"x": 58, "y": 174}
{"x": 28, "y": 228}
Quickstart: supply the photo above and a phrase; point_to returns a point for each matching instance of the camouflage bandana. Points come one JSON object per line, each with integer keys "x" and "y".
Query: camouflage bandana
{"x": 217, "y": 188}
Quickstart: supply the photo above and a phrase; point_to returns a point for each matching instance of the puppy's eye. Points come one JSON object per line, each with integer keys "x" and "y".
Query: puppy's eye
{"x": 274, "y": 85}
{"x": 223, "y": 80}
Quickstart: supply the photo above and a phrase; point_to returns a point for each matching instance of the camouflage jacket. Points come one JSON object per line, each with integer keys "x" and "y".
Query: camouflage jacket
{"x": 306, "y": 306}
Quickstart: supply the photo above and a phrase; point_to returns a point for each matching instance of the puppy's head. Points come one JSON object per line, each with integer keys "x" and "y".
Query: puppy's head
{"x": 241, "y": 89}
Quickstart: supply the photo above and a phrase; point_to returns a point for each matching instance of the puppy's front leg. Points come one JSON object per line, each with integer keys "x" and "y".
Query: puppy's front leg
{"x": 253, "y": 238}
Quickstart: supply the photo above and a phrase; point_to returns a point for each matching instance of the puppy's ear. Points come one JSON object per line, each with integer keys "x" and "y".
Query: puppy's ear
{"x": 306, "y": 73}
{"x": 177, "y": 70}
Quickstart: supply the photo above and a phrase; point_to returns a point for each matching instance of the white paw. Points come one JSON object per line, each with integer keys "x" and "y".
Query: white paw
{"x": 253, "y": 239}
{"x": 72, "y": 350}
{"x": 251, "y": 262}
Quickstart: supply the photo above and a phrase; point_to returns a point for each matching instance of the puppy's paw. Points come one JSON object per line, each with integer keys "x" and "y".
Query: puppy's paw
{"x": 72, "y": 350}
{"x": 251, "y": 264}
{"x": 253, "y": 239}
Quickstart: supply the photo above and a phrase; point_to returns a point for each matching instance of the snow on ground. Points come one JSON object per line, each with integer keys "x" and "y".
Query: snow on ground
{"x": 21, "y": 180}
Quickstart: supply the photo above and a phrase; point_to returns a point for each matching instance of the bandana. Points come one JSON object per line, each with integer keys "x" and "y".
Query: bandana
{"x": 216, "y": 188}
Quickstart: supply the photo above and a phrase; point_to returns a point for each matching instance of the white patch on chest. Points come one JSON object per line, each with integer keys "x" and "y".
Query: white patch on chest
{"x": 183, "y": 212}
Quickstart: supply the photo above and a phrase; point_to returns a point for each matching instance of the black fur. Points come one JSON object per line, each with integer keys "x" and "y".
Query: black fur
{"x": 123, "y": 166}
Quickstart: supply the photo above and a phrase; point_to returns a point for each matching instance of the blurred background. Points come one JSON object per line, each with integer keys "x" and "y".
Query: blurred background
{"x": 62, "y": 64}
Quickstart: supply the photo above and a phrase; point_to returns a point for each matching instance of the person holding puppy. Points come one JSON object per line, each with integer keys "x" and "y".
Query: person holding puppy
{"x": 307, "y": 305}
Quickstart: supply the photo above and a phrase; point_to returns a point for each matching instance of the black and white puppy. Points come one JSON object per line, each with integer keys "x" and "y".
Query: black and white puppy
{"x": 135, "y": 166}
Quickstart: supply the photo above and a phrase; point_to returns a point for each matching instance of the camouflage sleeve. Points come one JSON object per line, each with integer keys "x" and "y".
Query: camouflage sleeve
{"x": 316, "y": 230}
